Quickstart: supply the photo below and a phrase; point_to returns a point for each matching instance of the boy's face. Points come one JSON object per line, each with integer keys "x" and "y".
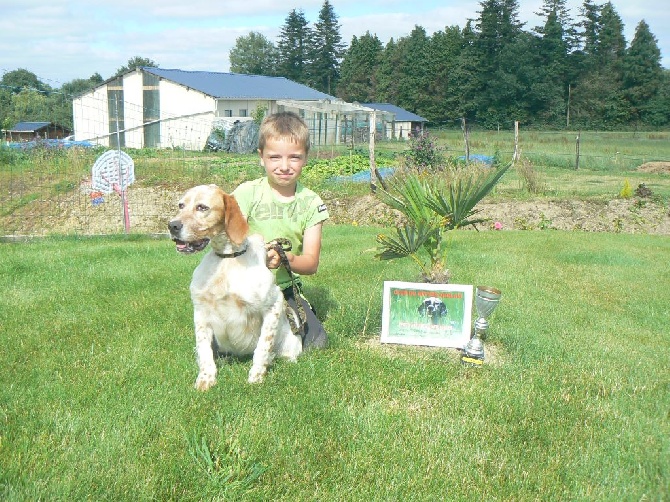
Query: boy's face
{"x": 283, "y": 161}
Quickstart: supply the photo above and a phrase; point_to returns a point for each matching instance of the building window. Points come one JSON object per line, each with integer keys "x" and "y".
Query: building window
{"x": 117, "y": 137}
{"x": 152, "y": 111}
{"x": 227, "y": 113}
{"x": 243, "y": 113}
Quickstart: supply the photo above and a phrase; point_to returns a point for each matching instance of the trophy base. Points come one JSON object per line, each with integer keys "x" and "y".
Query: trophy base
{"x": 473, "y": 352}
{"x": 471, "y": 361}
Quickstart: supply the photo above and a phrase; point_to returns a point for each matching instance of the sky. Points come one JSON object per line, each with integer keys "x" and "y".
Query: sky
{"x": 63, "y": 40}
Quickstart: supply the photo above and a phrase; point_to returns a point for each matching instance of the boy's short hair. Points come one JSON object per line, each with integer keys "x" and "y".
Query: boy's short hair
{"x": 284, "y": 125}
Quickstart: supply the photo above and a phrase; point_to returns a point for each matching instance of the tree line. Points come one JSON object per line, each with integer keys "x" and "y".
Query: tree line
{"x": 567, "y": 72}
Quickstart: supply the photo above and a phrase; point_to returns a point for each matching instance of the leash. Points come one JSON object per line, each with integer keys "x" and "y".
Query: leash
{"x": 281, "y": 246}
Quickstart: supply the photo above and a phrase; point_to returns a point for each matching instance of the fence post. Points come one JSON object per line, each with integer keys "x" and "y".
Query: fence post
{"x": 517, "y": 154}
{"x": 466, "y": 139}
{"x": 577, "y": 151}
{"x": 373, "y": 164}
{"x": 567, "y": 112}
{"x": 124, "y": 202}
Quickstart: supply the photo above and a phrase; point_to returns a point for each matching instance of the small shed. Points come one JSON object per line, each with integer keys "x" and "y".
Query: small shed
{"x": 404, "y": 123}
{"x": 31, "y": 131}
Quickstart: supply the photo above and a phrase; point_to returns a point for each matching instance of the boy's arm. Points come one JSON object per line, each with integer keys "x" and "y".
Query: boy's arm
{"x": 308, "y": 262}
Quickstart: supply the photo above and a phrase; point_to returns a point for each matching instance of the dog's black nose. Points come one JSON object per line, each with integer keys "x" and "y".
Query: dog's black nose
{"x": 175, "y": 226}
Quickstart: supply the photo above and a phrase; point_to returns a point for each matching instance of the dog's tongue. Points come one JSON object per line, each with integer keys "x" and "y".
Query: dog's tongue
{"x": 182, "y": 247}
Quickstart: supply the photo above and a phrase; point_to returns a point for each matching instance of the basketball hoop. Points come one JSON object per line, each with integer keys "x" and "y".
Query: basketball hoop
{"x": 114, "y": 171}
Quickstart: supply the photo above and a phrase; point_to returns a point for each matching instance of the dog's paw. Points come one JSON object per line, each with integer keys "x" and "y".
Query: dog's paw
{"x": 205, "y": 381}
{"x": 256, "y": 375}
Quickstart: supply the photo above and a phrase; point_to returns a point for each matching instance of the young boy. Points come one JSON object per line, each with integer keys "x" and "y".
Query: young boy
{"x": 278, "y": 205}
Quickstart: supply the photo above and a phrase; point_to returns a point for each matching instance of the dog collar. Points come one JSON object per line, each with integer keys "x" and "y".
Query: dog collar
{"x": 231, "y": 255}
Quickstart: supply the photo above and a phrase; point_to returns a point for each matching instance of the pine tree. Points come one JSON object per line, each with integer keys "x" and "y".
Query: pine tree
{"x": 657, "y": 111}
{"x": 642, "y": 71}
{"x": 562, "y": 17}
{"x": 358, "y": 79}
{"x": 387, "y": 74}
{"x": 327, "y": 50}
{"x": 611, "y": 40}
{"x": 294, "y": 47}
{"x": 498, "y": 48}
{"x": 590, "y": 25}
{"x": 599, "y": 97}
{"x": 445, "y": 103}
{"x": 467, "y": 74}
{"x": 412, "y": 73}
{"x": 553, "y": 76}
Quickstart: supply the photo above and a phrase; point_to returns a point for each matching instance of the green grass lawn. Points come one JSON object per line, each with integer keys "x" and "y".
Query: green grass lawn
{"x": 97, "y": 399}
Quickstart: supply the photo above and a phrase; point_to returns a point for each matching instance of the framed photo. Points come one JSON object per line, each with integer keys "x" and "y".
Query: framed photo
{"x": 439, "y": 315}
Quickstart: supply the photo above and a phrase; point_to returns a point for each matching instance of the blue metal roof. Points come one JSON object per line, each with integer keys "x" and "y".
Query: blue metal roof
{"x": 239, "y": 85}
{"x": 29, "y": 126}
{"x": 401, "y": 115}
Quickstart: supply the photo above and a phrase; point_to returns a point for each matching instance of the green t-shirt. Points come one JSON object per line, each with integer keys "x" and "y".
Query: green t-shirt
{"x": 273, "y": 218}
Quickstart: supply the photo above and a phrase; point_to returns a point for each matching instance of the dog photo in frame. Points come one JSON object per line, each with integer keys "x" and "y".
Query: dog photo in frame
{"x": 437, "y": 315}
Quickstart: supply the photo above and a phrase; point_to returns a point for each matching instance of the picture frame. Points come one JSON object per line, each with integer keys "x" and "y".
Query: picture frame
{"x": 438, "y": 315}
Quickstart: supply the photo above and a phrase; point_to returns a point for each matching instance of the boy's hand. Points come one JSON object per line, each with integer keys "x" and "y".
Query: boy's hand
{"x": 273, "y": 259}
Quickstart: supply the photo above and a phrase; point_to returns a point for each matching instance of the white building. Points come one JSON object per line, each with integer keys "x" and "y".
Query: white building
{"x": 163, "y": 108}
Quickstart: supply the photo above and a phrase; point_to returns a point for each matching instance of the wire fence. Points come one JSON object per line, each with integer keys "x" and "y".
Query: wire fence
{"x": 47, "y": 190}
{"x": 594, "y": 150}
{"x": 54, "y": 187}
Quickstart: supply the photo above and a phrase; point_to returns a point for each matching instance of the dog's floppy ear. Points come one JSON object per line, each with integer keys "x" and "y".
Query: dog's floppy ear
{"x": 235, "y": 224}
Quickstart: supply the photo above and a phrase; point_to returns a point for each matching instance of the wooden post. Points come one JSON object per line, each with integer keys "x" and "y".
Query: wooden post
{"x": 567, "y": 112}
{"x": 122, "y": 193}
{"x": 347, "y": 140}
{"x": 577, "y": 151}
{"x": 466, "y": 139}
{"x": 517, "y": 154}
{"x": 373, "y": 164}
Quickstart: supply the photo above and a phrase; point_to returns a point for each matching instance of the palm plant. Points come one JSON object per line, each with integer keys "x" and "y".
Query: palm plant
{"x": 433, "y": 204}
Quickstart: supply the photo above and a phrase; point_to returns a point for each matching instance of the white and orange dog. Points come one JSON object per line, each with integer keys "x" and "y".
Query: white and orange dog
{"x": 237, "y": 307}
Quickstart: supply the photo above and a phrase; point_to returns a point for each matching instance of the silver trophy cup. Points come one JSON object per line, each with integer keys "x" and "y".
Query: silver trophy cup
{"x": 486, "y": 300}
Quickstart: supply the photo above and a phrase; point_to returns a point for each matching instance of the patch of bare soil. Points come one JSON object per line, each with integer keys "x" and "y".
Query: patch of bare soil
{"x": 495, "y": 354}
{"x": 85, "y": 212}
{"x": 635, "y": 215}
{"x": 618, "y": 215}
{"x": 655, "y": 167}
